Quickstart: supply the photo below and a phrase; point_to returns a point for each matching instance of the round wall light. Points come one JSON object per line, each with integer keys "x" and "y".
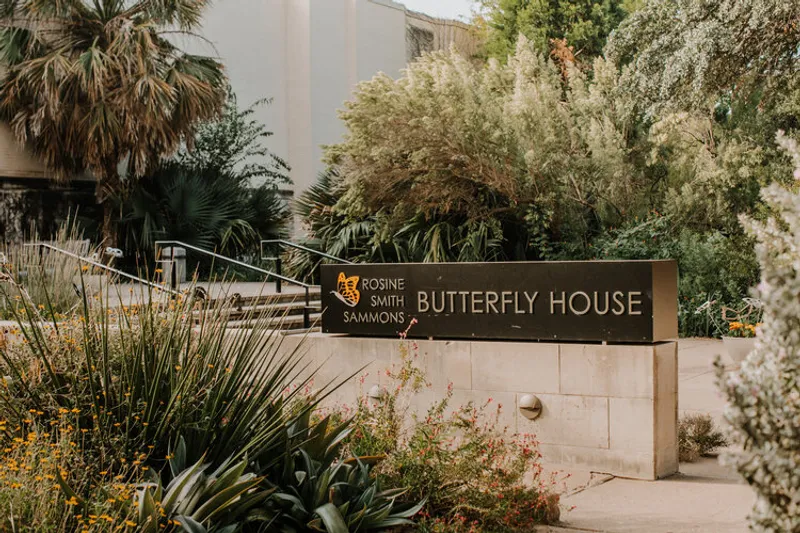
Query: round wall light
{"x": 377, "y": 393}
{"x": 530, "y": 406}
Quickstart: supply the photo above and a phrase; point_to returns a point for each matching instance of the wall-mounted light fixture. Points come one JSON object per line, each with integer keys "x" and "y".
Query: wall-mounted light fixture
{"x": 377, "y": 393}
{"x": 530, "y": 406}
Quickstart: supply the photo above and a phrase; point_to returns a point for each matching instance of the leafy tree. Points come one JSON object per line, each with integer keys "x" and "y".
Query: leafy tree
{"x": 98, "y": 86}
{"x": 234, "y": 145}
{"x": 716, "y": 80}
{"x": 583, "y": 24}
{"x": 457, "y": 161}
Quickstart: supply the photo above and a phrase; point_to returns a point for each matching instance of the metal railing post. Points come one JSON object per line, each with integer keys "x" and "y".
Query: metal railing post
{"x": 278, "y": 280}
{"x": 307, "y": 311}
{"x": 98, "y": 265}
{"x": 278, "y": 276}
{"x": 173, "y": 275}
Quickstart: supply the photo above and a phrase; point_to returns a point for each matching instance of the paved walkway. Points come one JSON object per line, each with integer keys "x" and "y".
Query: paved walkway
{"x": 705, "y": 497}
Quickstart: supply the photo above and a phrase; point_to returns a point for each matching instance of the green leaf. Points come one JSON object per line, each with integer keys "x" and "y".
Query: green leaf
{"x": 224, "y": 499}
{"x": 182, "y": 489}
{"x": 177, "y": 462}
{"x": 332, "y": 518}
{"x": 148, "y": 514}
{"x": 68, "y": 490}
{"x": 190, "y": 525}
{"x": 227, "y": 479}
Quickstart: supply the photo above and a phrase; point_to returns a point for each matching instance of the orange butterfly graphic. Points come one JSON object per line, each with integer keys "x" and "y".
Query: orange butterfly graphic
{"x": 346, "y": 290}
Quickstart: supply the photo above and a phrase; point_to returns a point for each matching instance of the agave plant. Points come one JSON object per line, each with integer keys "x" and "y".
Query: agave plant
{"x": 199, "y": 501}
{"x": 318, "y": 491}
{"x": 338, "y": 498}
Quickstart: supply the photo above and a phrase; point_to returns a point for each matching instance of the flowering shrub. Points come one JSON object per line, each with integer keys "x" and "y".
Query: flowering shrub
{"x": 41, "y": 464}
{"x": 142, "y": 376}
{"x": 475, "y": 475}
{"x": 161, "y": 402}
{"x": 740, "y": 329}
{"x": 764, "y": 397}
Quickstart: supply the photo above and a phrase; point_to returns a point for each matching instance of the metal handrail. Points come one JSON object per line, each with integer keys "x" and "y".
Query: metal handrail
{"x": 234, "y": 261}
{"x": 304, "y": 249}
{"x": 277, "y": 276}
{"x": 102, "y": 266}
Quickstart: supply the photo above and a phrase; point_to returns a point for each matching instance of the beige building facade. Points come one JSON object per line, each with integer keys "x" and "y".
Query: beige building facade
{"x": 305, "y": 55}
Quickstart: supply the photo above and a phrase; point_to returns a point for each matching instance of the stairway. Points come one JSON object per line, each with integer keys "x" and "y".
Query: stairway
{"x": 282, "y": 311}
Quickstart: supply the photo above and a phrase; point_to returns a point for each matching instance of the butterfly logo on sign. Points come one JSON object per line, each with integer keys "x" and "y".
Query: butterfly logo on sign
{"x": 347, "y": 290}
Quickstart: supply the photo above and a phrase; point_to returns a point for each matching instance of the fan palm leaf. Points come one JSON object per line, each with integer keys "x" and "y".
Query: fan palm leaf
{"x": 96, "y": 86}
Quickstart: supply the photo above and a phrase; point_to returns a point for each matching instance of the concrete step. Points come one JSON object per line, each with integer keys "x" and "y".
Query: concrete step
{"x": 268, "y": 299}
{"x": 275, "y": 310}
{"x": 292, "y": 323}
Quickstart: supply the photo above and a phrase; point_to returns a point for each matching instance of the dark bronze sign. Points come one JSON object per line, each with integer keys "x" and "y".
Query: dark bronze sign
{"x": 614, "y": 301}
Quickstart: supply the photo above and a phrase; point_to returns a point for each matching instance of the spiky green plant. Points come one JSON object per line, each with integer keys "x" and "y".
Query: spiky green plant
{"x": 318, "y": 490}
{"x": 199, "y": 500}
{"x": 151, "y": 369}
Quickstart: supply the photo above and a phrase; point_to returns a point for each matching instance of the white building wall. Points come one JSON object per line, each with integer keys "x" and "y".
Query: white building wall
{"x": 297, "y": 76}
{"x": 331, "y": 50}
{"x": 308, "y": 55}
{"x": 381, "y": 34}
{"x": 250, "y": 37}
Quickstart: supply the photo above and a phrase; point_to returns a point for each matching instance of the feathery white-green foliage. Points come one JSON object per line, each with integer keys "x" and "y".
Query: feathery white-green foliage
{"x": 452, "y": 137}
{"x": 681, "y": 54}
{"x": 765, "y": 394}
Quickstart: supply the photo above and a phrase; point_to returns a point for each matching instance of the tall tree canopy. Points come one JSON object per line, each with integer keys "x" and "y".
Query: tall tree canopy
{"x": 97, "y": 85}
{"x": 685, "y": 54}
{"x": 583, "y": 24}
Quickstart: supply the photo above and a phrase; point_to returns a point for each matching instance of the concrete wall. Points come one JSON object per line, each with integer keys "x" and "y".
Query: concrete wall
{"x": 611, "y": 409}
{"x": 14, "y": 161}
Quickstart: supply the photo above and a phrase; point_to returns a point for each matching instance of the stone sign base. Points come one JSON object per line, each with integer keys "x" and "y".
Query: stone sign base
{"x": 607, "y": 408}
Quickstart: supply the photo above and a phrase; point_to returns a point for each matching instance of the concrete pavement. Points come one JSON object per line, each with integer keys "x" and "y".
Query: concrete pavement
{"x": 705, "y": 497}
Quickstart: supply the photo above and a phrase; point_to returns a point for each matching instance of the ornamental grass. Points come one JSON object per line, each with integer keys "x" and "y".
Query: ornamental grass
{"x": 109, "y": 392}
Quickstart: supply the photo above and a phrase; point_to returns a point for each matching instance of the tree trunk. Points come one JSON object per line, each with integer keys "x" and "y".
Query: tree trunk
{"x": 107, "y": 186}
{"x": 110, "y": 223}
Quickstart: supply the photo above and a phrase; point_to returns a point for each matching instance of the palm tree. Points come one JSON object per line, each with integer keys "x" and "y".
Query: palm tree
{"x": 97, "y": 86}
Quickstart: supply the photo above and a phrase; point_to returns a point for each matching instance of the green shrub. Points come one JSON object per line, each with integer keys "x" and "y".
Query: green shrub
{"x": 763, "y": 396}
{"x": 711, "y": 266}
{"x": 222, "y": 194}
{"x": 698, "y": 437}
